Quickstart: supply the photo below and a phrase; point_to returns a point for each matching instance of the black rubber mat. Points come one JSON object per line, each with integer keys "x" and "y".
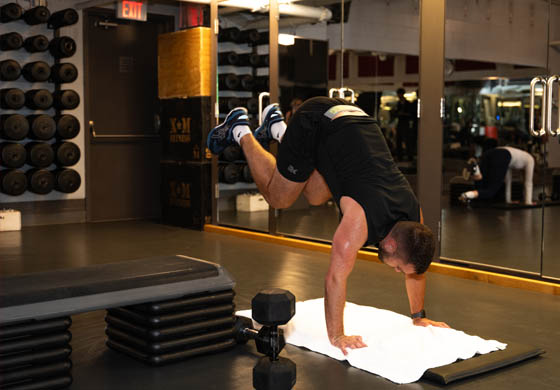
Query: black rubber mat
{"x": 34, "y": 357}
{"x": 514, "y": 353}
{"x": 180, "y": 344}
{"x": 170, "y": 332}
{"x": 170, "y": 319}
{"x": 199, "y": 300}
{"x": 35, "y": 372}
{"x": 157, "y": 360}
{"x": 35, "y": 342}
{"x": 33, "y": 327}
{"x": 45, "y": 384}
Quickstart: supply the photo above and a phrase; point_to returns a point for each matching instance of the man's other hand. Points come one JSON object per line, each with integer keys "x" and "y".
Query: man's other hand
{"x": 348, "y": 342}
{"x": 426, "y": 322}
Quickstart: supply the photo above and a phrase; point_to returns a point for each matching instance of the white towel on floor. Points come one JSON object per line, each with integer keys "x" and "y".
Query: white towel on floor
{"x": 396, "y": 349}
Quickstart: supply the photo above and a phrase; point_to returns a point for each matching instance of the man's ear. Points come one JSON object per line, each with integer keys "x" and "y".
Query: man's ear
{"x": 390, "y": 245}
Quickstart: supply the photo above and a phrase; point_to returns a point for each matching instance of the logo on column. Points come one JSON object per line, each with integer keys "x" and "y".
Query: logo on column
{"x": 180, "y": 130}
{"x": 179, "y": 194}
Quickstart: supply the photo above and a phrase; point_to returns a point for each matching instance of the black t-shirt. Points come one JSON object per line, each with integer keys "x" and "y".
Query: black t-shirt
{"x": 350, "y": 152}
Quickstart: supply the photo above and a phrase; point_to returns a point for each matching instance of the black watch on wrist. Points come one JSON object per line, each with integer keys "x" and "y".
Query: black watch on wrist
{"x": 420, "y": 314}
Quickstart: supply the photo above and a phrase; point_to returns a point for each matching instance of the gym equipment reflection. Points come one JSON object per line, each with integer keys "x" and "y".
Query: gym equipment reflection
{"x": 487, "y": 104}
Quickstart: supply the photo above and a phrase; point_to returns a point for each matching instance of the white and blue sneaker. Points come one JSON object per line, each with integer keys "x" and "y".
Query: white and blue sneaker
{"x": 272, "y": 115}
{"x": 221, "y": 136}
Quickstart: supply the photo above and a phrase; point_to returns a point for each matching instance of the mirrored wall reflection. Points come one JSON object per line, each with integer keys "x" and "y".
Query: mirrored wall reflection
{"x": 374, "y": 56}
{"x": 551, "y": 247}
{"x": 494, "y": 169}
{"x": 303, "y": 74}
{"x": 242, "y": 76}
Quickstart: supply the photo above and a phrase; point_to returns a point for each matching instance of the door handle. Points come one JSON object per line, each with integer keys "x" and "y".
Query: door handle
{"x": 94, "y": 135}
{"x": 537, "y": 80}
{"x": 549, "y": 88}
{"x": 262, "y": 95}
{"x": 342, "y": 93}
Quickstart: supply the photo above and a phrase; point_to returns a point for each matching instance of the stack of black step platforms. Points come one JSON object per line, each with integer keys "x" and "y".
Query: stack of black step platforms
{"x": 163, "y": 332}
{"x": 35, "y": 355}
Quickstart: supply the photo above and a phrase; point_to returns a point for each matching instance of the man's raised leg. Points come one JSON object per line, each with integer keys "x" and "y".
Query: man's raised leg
{"x": 276, "y": 189}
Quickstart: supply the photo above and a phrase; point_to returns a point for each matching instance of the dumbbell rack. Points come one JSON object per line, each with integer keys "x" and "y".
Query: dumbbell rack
{"x": 36, "y": 354}
{"x": 41, "y": 174}
{"x": 168, "y": 331}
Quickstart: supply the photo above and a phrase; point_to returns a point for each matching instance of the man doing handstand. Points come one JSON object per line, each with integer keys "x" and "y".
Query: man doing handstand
{"x": 335, "y": 150}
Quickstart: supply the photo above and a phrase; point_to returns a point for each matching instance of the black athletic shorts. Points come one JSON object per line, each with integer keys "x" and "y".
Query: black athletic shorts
{"x": 297, "y": 152}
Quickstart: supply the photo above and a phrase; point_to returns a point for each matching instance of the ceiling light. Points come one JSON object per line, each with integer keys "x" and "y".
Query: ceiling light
{"x": 286, "y": 39}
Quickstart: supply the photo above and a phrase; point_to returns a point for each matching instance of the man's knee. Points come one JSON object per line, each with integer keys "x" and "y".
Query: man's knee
{"x": 315, "y": 198}
{"x": 279, "y": 202}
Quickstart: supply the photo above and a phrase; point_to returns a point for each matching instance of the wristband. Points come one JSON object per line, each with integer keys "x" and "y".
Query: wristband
{"x": 420, "y": 314}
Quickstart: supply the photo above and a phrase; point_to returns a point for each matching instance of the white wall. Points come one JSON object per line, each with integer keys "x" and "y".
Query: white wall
{"x": 502, "y": 31}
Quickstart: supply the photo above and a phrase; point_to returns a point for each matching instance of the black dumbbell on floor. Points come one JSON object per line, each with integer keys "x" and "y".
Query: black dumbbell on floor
{"x": 271, "y": 308}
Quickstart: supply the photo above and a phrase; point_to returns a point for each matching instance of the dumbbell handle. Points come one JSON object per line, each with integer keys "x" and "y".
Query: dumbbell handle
{"x": 274, "y": 339}
{"x": 249, "y": 333}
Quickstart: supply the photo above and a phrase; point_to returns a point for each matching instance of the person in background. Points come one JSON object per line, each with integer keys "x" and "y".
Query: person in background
{"x": 404, "y": 118}
{"x": 494, "y": 168}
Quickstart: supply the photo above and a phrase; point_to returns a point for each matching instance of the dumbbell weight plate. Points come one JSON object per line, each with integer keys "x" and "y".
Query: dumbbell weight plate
{"x": 67, "y": 180}
{"x": 42, "y": 127}
{"x": 273, "y": 306}
{"x": 36, "y": 43}
{"x": 37, "y": 71}
{"x": 232, "y": 153}
{"x": 14, "y": 127}
{"x": 39, "y": 99}
{"x": 12, "y": 98}
{"x": 40, "y": 181}
{"x": 36, "y": 15}
{"x": 65, "y": 17}
{"x": 39, "y": 154}
{"x": 252, "y": 105}
{"x": 241, "y": 323}
{"x": 274, "y": 375}
{"x": 62, "y": 47}
{"x": 10, "y": 12}
{"x": 12, "y": 155}
{"x": 64, "y": 73}
{"x": 10, "y": 70}
{"x": 66, "y": 99}
{"x": 13, "y": 182}
{"x": 67, "y": 126}
{"x": 11, "y": 41}
{"x": 247, "y": 176}
{"x": 229, "y": 173}
{"x": 67, "y": 154}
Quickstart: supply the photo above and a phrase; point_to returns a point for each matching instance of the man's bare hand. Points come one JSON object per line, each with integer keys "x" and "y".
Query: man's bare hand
{"x": 426, "y": 322}
{"x": 348, "y": 342}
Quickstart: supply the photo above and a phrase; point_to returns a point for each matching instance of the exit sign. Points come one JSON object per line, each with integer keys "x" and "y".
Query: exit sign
{"x": 135, "y": 10}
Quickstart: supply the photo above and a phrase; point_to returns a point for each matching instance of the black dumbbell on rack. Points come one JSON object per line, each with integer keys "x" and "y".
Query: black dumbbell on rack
{"x": 36, "y": 43}
{"x": 270, "y": 308}
{"x": 11, "y": 41}
{"x": 10, "y": 12}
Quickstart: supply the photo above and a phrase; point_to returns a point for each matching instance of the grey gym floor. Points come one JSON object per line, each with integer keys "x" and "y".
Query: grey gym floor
{"x": 489, "y": 311}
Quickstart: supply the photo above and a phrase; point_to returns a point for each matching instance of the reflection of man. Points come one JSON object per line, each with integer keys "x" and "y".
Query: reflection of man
{"x": 495, "y": 167}
{"x": 404, "y": 122}
{"x": 333, "y": 149}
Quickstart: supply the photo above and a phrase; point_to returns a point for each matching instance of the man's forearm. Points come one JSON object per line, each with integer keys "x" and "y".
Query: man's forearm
{"x": 335, "y": 298}
{"x": 415, "y": 289}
